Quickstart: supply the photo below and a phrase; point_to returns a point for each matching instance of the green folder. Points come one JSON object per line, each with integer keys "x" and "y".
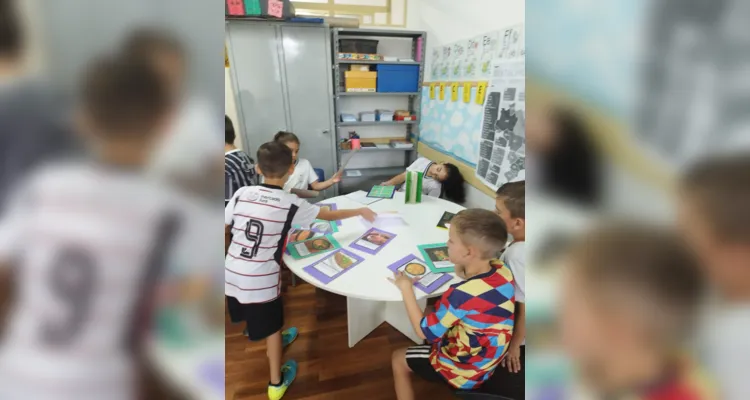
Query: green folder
{"x": 313, "y": 247}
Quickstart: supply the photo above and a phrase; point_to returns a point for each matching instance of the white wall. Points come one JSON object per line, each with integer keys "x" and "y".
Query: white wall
{"x": 447, "y": 21}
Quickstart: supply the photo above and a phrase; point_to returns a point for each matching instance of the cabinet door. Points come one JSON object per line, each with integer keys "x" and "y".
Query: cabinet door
{"x": 256, "y": 70}
{"x": 308, "y": 87}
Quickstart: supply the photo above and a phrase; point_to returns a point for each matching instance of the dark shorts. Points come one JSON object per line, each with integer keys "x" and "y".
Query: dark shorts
{"x": 505, "y": 383}
{"x": 262, "y": 319}
{"x": 418, "y": 360}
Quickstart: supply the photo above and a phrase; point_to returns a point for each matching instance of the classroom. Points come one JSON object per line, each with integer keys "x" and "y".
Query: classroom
{"x": 412, "y": 110}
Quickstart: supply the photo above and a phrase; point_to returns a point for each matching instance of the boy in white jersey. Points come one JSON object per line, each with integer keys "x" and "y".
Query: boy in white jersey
{"x": 510, "y": 205}
{"x": 258, "y": 219}
{"x": 87, "y": 243}
{"x": 714, "y": 216}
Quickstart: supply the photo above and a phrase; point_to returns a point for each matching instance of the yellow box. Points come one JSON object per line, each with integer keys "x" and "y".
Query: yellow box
{"x": 361, "y": 81}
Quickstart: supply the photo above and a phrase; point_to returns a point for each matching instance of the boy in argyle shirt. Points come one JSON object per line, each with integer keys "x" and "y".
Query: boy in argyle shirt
{"x": 473, "y": 323}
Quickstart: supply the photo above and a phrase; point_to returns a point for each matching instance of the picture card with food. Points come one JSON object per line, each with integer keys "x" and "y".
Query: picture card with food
{"x": 329, "y": 207}
{"x": 332, "y": 266}
{"x": 313, "y": 247}
{"x": 445, "y": 220}
{"x": 373, "y": 241}
{"x": 436, "y": 256}
{"x": 382, "y": 192}
{"x": 300, "y": 235}
{"x": 426, "y": 280}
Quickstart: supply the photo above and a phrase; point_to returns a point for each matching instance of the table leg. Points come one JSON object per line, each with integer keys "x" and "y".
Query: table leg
{"x": 363, "y": 316}
{"x": 397, "y": 317}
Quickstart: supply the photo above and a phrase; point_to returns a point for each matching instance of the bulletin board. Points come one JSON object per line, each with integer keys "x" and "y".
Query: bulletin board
{"x": 473, "y": 106}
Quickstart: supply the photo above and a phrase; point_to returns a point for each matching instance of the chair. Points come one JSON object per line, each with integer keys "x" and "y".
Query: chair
{"x": 321, "y": 174}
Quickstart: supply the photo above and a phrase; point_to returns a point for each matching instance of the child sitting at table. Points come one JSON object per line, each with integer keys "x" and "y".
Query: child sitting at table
{"x": 473, "y": 323}
{"x": 304, "y": 176}
{"x": 258, "y": 219}
{"x": 510, "y": 205}
{"x": 714, "y": 214}
{"x": 442, "y": 180}
{"x": 629, "y": 298}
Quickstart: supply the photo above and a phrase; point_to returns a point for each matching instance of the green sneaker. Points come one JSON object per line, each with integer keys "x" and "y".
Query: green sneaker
{"x": 288, "y": 373}
{"x": 288, "y": 336}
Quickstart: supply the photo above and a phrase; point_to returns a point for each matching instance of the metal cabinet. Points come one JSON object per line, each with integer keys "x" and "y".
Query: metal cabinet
{"x": 281, "y": 77}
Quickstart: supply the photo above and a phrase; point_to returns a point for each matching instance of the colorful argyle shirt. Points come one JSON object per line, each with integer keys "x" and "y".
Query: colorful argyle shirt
{"x": 471, "y": 328}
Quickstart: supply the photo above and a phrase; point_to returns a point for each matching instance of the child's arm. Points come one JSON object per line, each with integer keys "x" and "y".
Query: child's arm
{"x": 336, "y": 178}
{"x": 364, "y": 212}
{"x": 396, "y": 180}
{"x": 227, "y": 238}
{"x": 433, "y": 326}
{"x": 512, "y": 358}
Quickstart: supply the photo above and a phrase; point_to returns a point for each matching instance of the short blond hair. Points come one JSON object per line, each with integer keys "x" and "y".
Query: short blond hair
{"x": 483, "y": 229}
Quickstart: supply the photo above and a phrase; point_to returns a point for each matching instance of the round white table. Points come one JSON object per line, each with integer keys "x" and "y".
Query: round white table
{"x": 371, "y": 298}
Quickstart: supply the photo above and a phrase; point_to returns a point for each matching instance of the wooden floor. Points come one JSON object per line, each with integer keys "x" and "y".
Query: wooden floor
{"x": 328, "y": 368}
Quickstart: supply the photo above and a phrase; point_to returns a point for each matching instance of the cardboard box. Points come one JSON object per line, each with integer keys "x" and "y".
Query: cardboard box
{"x": 360, "y": 81}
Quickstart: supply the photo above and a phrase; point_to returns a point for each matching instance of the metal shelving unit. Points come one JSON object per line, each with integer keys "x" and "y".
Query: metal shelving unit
{"x": 373, "y": 175}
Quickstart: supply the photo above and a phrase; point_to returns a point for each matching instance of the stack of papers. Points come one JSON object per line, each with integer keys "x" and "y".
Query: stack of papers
{"x": 348, "y": 118}
{"x": 367, "y": 116}
{"x": 384, "y": 115}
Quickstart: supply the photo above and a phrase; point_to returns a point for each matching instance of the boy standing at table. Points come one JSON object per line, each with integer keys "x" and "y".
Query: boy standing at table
{"x": 473, "y": 323}
{"x": 258, "y": 219}
{"x": 715, "y": 218}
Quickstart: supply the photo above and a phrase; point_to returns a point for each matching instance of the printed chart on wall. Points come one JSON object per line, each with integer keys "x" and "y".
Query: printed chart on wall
{"x": 481, "y": 119}
{"x": 502, "y": 147}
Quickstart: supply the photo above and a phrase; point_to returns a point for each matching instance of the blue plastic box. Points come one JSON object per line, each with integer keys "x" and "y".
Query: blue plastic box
{"x": 397, "y": 78}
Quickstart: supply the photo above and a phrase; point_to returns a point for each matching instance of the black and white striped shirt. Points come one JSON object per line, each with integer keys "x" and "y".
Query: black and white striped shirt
{"x": 260, "y": 217}
{"x": 239, "y": 171}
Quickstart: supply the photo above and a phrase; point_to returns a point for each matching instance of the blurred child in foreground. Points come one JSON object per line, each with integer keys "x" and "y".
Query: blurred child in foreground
{"x": 715, "y": 218}
{"x": 88, "y": 241}
{"x": 470, "y": 331}
{"x": 630, "y": 297}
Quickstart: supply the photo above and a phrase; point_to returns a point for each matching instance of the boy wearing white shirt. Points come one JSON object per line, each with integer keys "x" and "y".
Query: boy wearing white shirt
{"x": 257, "y": 222}
{"x": 714, "y": 214}
{"x": 510, "y": 205}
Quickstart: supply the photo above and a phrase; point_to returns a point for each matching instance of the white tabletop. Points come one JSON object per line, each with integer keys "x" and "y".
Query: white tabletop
{"x": 368, "y": 280}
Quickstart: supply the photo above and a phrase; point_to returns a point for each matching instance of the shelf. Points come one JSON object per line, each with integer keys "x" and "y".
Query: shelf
{"x": 374, "y": 123}
{"x": 375, "y": 149}
{"x": 372, "y": 172}
{"x": 377, "y": 94}
{"x": 379, "y": 33}
{"x": 348, "y": 61}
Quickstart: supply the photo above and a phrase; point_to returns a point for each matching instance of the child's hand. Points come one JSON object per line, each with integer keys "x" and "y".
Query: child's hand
{"x": 402, "y": 281}
{"x": 367, "y": 214}
{"x": 512, "y": 359}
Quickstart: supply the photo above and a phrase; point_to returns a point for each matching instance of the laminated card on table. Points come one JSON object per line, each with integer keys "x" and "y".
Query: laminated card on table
{"x": 436, "y": 256}
{"x": 413, "y": 267}
{"x": 329, "y": 207}
{"x": 332, "y": 266}
{"x": 313, "y": 247}
{"x": 382, "y": 192}
{"x": 373, "y": 241}
{"x": 445, "y": 220}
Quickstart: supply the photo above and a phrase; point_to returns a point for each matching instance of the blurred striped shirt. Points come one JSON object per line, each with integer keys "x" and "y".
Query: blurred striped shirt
{"x": 239, "y": 171}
